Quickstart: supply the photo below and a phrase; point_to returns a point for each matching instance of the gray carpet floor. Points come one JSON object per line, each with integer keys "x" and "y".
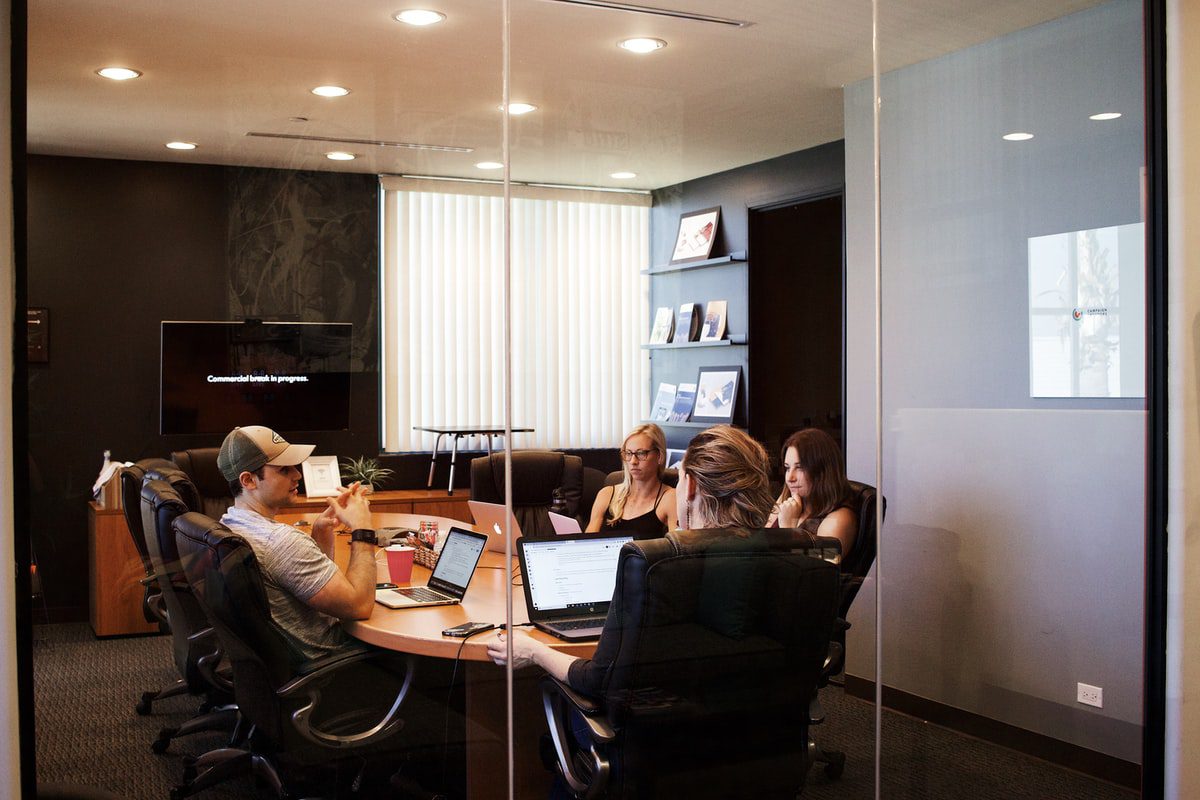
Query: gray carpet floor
{"x": 88, "y": 734}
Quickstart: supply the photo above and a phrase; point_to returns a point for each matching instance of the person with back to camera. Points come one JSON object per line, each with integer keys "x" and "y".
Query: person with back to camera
{"x": 307, "y": 592}
{"x": 816, "y": 496}
{"x": 641, "y": 504}
{"x": 724, "y": 482}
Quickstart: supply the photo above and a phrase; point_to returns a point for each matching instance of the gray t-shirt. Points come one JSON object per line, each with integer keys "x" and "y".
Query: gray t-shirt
{"x": 293, "y": 569}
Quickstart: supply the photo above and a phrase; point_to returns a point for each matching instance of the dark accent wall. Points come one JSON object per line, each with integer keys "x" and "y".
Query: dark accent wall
{"x": 115, "y": 247}
{"x": 805, "y": 174}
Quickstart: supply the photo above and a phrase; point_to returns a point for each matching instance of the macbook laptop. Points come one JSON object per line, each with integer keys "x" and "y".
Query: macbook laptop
{"x": 450, "y": 577}
{"x": 569, "y": 582}
{"x": 564, "y": 524}
{"x": 489, "y": 518}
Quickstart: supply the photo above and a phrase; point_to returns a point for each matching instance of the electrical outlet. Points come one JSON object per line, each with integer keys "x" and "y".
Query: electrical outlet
{"x": 1089, "y": 695}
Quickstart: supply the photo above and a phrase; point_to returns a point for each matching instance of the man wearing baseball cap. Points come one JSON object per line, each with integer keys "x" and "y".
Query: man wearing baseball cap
{"x": 307, "y": 591}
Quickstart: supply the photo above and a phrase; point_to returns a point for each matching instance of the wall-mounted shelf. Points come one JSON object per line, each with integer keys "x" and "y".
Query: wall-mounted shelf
{"x": 662, "y": 423}
{"x": 680, "y": 345}
{"x": 733, "y": 258}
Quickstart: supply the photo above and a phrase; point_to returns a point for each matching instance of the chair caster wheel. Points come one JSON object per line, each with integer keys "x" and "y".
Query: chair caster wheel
{"x": 159, "y": 746}
{"x": 143, "y": 705}
{"x": 836, "y": 765}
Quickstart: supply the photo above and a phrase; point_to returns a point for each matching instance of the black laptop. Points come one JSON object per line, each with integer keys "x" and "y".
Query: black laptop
{"x": 569, "y": 582}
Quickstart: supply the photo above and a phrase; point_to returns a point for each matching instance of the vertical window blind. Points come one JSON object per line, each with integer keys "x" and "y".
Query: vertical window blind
{"x": 579, "y": 313}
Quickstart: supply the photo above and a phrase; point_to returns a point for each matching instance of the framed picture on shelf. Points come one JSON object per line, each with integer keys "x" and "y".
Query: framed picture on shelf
{"x": 697, "y": 231}
{"x": 716, "y": 394}
{"x": 321, "y": 476}
{"x": 674, "y": 457}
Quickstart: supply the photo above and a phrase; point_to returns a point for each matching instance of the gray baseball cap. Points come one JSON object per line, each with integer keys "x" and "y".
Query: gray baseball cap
{"x": 254, "y": 446}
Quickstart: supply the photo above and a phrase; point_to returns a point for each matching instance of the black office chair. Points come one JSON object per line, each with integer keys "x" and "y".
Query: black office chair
{"x": 301, "y": 712}
{"x": 855, "y": 566}
{"x": 154, "y": 609}
{"x": 200, "y": 465}
{"x": 709, "y": 656}
{"x": 195, "y": 647}
{"x": 542, "y": 479}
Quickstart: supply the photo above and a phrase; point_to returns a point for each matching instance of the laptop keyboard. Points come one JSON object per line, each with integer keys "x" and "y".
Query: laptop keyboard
{"x": 577, "y": 624}
{"x": 421, "y": 594}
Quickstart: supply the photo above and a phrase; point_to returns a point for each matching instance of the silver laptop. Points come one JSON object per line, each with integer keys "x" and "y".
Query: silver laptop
{"x": 489, "y": 518}
{"x": 569, "y": 582}
{"x": 450, "y": 578}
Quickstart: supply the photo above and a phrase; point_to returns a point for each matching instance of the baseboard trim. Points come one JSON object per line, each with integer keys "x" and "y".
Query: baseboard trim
{"x": 1072, "y": 756}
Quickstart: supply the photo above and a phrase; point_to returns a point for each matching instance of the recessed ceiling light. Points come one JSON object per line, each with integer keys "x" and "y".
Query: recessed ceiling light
{"x": 490, "y": 165}
{"x": 419, "y": 17}
{"x": 1017, "y": 137}
{"x": 517, "y": 109}
{"x": 181, "y": 145}
{"x": 1105, "y": 116}
{"x": 118, "y": 73}
{"x": 642, "y": 44}
{"x": 331, "y": 91}
{"x": 340, "y": 155}
{"x": 623, "y": 176}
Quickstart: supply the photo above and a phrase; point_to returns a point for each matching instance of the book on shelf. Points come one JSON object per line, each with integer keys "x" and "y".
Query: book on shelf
{"x": 685, "y": 398}
{"x": 714, "y": 321}
{"x": 664, "y": 326}
{"x": 663, "y": 402}
{"x": 687, "y": 327}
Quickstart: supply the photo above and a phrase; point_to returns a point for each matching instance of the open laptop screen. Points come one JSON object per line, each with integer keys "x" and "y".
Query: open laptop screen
{"x": 568, "y": 573}
{"x": 457, "y": 562}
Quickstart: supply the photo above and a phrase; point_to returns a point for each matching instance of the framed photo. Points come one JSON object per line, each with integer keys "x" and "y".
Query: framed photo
{"x": 321, "y": 476}
{"x": 674, "y": 457}
{"x": 716, "y": 394}
{"x": 697, "y": 231}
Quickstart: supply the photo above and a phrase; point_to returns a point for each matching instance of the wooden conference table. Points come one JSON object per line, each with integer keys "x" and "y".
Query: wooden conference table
{"x": 419, "y": 631}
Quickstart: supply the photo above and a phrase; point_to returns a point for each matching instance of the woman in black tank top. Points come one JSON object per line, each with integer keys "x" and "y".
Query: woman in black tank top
{"x": 641, "y": 504}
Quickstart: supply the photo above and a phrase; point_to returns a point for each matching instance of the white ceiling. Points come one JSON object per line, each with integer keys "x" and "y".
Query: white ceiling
{"x": 716, "y": 97}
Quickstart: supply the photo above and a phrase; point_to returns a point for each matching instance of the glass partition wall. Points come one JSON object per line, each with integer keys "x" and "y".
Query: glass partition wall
{"x": 1013, "y": 420}
{"x": 674, "y": 223}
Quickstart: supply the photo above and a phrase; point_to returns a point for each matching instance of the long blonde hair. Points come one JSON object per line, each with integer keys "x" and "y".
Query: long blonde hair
{"x": 732, "y": 478}
{"x": 620, "y": 495}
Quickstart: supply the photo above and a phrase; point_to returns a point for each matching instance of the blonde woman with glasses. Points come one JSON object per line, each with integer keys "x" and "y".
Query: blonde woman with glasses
{"x": 641, "y": 504}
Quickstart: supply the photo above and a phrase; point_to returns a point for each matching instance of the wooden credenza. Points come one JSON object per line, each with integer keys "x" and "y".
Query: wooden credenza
{"x": 115, "y": 568}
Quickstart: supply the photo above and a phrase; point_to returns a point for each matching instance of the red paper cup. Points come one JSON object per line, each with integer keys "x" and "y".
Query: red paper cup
{"x": 400, "y": 563}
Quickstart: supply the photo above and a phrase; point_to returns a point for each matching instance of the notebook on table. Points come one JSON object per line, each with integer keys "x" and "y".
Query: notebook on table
{"x": 569, "y": 581}
{"x": 450, "y": 578}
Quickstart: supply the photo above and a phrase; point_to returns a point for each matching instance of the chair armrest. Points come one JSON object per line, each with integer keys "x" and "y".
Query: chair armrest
{"x": 317, "y": 674}
{"x": 208, "y": 664}
{"x": 558, "y": 700}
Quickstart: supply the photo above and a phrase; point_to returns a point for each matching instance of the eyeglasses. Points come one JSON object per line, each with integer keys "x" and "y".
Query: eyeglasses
{"x": 637, "y": 455}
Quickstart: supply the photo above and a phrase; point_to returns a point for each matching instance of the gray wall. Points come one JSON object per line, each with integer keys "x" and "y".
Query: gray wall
{"x": 1012, "y": 560}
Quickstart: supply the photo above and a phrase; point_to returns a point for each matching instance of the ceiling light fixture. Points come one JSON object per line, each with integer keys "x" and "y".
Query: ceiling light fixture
{"x": 517, "y": 109}
{"x": 490, "y": 165}
{"x": 419, "y": 17}
{"x": 181, "y": 145}
{"x": 1017, "y": 136}
{"x": 340, "y": 155}
{"x": 1107, "y": 115}
{"x": 118, "y": 73}
{"x": 331, "y": 91}
{"x": 623, "y": 176}
{"x": 641, "y": 44}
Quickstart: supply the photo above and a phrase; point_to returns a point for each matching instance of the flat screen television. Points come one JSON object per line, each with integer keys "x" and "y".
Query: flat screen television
{"x": 290, "y": 376}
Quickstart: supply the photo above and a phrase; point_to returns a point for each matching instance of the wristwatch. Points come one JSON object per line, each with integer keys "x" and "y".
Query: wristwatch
{"x": 363, "y": 535}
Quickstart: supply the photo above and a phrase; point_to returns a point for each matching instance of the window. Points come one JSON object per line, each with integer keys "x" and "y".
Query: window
{"x": 579, "y": 306}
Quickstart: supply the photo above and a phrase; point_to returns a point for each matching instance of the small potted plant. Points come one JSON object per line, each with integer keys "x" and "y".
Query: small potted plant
{"x": 366, "y": 471}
